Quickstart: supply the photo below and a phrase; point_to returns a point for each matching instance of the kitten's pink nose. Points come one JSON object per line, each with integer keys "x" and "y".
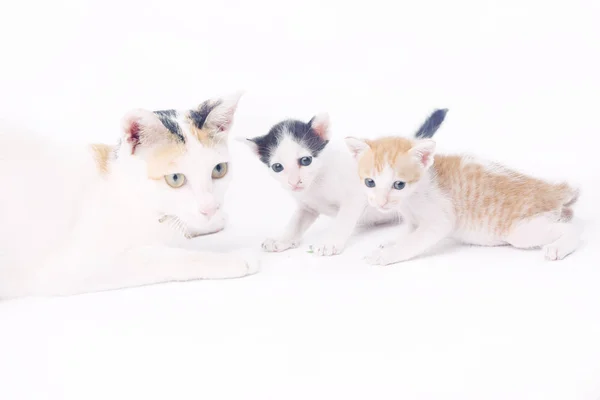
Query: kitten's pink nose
{"x": 294, "y": 183}
{"x": 382, "y": 203}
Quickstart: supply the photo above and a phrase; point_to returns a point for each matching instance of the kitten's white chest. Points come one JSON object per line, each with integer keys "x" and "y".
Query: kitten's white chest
{"x": 372, "y": 216}
{"x": 318, "y": 202}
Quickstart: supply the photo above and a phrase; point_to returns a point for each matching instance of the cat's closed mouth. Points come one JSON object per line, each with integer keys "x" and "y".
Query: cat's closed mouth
{"x": 177, "y": 224}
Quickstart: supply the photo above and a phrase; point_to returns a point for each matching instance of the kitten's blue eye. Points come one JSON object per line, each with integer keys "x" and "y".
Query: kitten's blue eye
{"x": 399, "y": 185}
{"x": 305, "y": 161}
{"x": 370, "y": 182}
{"x": 277, "y": 167}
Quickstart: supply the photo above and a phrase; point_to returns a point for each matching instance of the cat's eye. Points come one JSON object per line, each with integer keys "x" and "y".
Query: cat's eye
{"x": 399, "y": 185}
{"x": 175, "y": 180}
{"x": 277, "y": 167}
{"x": 305, "y": 161}
{"x": 220, "y": 170}
{"x": 370, "y": 182}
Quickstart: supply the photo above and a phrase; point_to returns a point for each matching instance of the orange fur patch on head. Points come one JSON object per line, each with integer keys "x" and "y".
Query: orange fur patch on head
{"x": 393, "y": 152}
{"x": 163, "y": 158}
{"x": 203, "y": 135}
{"x": 102, "y": 154}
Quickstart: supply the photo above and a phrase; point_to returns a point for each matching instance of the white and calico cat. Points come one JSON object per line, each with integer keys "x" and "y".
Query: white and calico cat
{"x": 85, "y": 218}
{"x": 321, "y": 179}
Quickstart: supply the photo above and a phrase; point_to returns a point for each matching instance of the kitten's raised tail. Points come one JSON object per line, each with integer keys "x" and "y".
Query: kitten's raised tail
{"x": 431, "y": 124}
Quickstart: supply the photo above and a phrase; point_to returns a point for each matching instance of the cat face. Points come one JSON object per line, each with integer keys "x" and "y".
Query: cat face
{"x": 391, "y": 168}
{"x": 184, "y": 158}
{"x": 291, "y": 151}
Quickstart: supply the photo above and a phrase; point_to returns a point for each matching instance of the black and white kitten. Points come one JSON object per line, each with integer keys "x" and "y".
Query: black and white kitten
{"x": 321, "y": 179}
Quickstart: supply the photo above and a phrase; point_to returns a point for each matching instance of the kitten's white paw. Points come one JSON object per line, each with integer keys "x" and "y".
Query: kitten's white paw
{"x": 276, "y": 246}
{"x": 252, "y": 259}
{"x": 383, "y": 256}
{"x": 554, "y": 252}
{"x": 329, "y": 249}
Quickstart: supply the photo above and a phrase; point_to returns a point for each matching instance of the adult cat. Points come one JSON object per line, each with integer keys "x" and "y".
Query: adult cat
{"x": 84, "y": 218}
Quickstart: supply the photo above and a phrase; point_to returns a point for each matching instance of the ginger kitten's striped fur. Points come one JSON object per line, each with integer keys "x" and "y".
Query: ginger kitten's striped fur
{"x": 475, "y": 201}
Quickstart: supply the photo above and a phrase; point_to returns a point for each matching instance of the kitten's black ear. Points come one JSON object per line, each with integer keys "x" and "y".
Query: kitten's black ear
{"x": 431, "y": 124}
{"x": 356, "y": 146}
{"x": 216, "y": 115}
{"x": 142, "y": 127}
{"x": 320, "y": 124}
{"x": 251, "y": 143}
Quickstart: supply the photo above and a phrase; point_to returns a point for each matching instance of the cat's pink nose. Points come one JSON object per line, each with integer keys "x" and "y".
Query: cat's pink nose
{"x": 294, "y": 184}
{"x": 382, "y": 203}
{"x": 209, "y": 211}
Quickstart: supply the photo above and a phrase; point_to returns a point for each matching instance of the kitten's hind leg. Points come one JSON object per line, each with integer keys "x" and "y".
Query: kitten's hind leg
{"x": 558, "y": 239}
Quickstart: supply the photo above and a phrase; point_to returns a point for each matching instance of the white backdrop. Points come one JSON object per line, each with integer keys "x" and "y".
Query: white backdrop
{"x": 521, "y": 80}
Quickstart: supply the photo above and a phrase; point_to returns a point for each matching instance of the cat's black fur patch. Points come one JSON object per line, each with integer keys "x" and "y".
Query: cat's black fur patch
{"x": 431, "y": 124}
{"x": 168, "y": 119}
{"x": 199, "y": 116}
{"x": 300, "y": 131}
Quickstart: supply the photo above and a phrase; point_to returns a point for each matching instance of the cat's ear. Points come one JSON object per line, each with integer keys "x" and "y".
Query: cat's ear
{"x": 217, "y": 114}
{"x": 431, "y": 124}
{"x": 423, "y": 151}
{"x": 141, "y": 127}
{"x": 320, "y": 124}
{"x": 251, "y": 143}
{"x": 356, "y": 146}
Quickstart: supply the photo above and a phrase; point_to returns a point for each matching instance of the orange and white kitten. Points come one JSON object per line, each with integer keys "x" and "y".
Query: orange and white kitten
{"x": 84, "y": 218}
{"x": 474, "y": 201}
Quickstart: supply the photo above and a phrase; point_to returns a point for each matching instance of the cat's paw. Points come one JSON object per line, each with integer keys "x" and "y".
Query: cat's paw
{"x": 276, "y": 246}
{"x": 328, "y": 249}
{"x": 251, "y": 259}
{"x": 383, "y": 256}
{"x": 554, "y": 252}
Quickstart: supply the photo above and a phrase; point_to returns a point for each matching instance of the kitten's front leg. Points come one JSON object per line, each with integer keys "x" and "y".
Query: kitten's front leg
{"x": 414, "y": 244}
{"x": 301, "y": 220}
{"x": 343, "y": 227}
{"x": 405, "y": 228}
{"x": 139, "y": 267}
